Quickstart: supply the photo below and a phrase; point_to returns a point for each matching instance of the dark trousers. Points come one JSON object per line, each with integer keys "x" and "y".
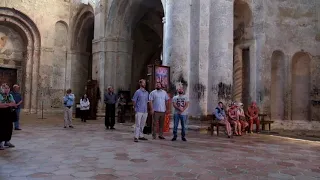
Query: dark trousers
{"x": 110, "y": 115}
{"x": 84, "y": 115}
{"x": 6, "y": 124}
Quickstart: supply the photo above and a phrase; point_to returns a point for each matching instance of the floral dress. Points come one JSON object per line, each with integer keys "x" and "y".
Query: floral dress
{"x": 6, "y": 119}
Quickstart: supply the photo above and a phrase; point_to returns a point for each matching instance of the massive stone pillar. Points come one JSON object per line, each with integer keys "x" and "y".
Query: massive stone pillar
{"x": 28, "y": 78}
{"x": 118, "y": 64}
{"x": 35, "y": 77}
{"x": 99, "y": 52}
{"x": 220, "y": 53}
{"x": 98, "y": 69}
{"x": 177, "y": 41}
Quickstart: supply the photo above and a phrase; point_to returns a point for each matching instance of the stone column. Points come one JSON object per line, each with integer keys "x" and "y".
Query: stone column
{"x": 220, "y": 52}
{"x": 118, "y": 63}
{"x": 98, "y": 70}
{"x": 177, "y": 42}
{"x": 28, "y": 80}
{"x": 35, "y": 77}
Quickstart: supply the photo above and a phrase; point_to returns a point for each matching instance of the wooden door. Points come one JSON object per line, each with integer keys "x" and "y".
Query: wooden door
{"x": 8, "y": 76}
{"x": 94, "y": 96}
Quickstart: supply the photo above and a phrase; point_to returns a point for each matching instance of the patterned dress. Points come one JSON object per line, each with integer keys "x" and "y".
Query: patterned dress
{"x": 6, "y": 125}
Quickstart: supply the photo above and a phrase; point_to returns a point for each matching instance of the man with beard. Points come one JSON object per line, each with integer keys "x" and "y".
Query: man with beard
{"x": 180, "y": 104}
{"x": 158, "y": 106}
{"x": 140, "y": 102}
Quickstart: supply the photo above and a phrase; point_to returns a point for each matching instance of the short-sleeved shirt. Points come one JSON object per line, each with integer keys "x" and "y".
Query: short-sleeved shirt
{"x": 158, "y": 99}
{"x": 17, "y": 97}
{"x": 141, "y": 98}
{"x": 9, "y": 99}
{"x": 181, "y": 101}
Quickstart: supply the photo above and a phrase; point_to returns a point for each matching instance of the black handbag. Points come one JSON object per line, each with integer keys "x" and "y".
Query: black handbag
{"x": 147, "y": 130}
{"x": 13, "y": 114}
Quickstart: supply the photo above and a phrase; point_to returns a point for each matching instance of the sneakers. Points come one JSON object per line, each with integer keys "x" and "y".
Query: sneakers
{"x": 70, "y": 126}
{"x": 17, "y": 129}
{"x": 174, "y": 139}
{"x": 143, "y": 139}
{"x": 8, "y": 144}
{"x": 135, "y": 140}
{"x": 161, "y": 137}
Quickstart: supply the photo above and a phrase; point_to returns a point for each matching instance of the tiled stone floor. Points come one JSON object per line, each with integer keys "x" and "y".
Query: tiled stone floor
{"x": 44, "y": 150}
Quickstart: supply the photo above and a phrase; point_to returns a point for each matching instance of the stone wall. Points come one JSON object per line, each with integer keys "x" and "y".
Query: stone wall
{"x": 54, "y": 20}
{"x": 291, "y": 28}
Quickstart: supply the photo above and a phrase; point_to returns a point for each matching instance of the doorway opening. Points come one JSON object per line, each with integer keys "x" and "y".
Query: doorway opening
{"x": 147, "y": 36}
{"x": 242, "y": 34}
{"x": 82, "y": 45}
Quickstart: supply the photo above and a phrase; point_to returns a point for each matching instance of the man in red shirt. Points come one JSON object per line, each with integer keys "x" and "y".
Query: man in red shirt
{"x": 252, "y": 113}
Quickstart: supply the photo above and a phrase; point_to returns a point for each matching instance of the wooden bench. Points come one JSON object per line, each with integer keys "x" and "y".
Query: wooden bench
{"x": 213, "y": 122}
{"x": 264, "y": 122}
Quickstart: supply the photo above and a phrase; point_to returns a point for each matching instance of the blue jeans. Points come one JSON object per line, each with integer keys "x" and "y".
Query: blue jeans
{"x": 16, "y": 123}
{"x": 182, "y": 118}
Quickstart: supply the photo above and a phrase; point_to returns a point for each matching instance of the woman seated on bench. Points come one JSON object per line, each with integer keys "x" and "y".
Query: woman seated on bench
{"x": 234, "y": 118}
{"x": 222, "y": 118}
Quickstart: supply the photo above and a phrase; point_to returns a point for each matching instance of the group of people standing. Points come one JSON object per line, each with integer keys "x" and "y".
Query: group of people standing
{"x": 10, "y": 104}
{"x": 68, "y": 101}
{"x": 235, "y": 117}
{"x": 158, "y": 101}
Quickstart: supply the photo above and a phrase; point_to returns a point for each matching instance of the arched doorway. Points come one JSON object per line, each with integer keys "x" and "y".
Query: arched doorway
{"x": 301, "y": 86}
{"x": 242, "y": 36}
{"x": 20, "y": 55}
{"x": 135, "y": 32}
{"x": 81, "y": 65}
{"x": 277, "y": 85}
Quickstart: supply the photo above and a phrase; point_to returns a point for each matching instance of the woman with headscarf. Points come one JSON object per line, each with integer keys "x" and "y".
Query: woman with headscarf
{"x": 7, "y": 105}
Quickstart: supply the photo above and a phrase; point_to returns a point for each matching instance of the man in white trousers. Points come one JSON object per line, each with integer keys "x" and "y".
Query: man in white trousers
{"x": 140, "y": 102}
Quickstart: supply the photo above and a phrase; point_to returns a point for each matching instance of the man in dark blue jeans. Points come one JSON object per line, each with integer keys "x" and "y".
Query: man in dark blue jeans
{"x": 180, "y": 104}
{"x": 18, "y": 99}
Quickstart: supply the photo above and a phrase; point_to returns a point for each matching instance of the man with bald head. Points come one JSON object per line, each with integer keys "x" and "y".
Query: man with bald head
{"x": 18, "y": 99}
{"x": 252, "y": 113}
{"x": 110, "y": 99}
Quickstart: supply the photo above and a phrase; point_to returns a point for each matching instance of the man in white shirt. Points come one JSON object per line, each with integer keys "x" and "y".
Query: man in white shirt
{"x": 180, "y": 104}
{"x": 158, "y": 106}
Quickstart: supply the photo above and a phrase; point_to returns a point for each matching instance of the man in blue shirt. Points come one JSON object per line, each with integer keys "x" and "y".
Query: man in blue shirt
{"x": 222, "y": 118}
{"x": 18, "y": 99}
{"x": 68, "y": 101}
{"x": 140, "y": 102}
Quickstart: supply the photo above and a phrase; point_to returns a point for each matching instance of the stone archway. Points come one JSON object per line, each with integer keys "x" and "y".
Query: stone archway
{"x": 134, "y": 35}
{"x": 242, "y": 62}
{"x": 277, "y": 86}
{"x": 301, "y": 76}
{"x": 16, "y": 24}
{"x": 81, "y": 50}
